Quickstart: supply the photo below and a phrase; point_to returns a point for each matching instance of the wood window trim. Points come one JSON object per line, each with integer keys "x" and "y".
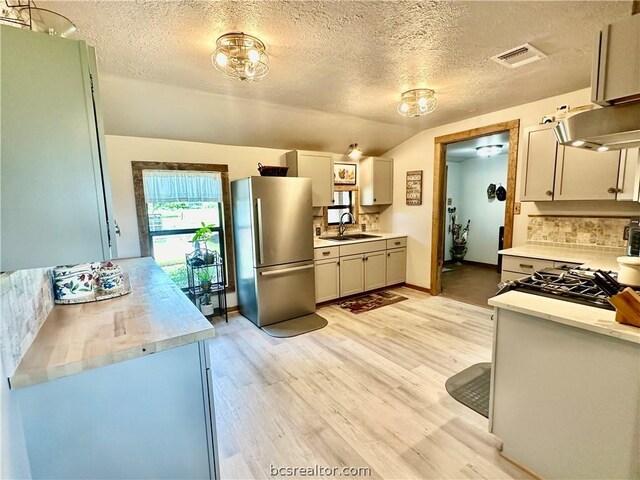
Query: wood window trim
{"x": 143, "y": 217}
{"x": 439, "y": 191}
{"x": 356, "y": 205}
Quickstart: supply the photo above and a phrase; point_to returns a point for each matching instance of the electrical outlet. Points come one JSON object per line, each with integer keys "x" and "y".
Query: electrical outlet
{"x": 449, "y": 201}
{"x": 318, "y": 231}
{"x": 516, "y": 208}
{"x": 363, "y": 227}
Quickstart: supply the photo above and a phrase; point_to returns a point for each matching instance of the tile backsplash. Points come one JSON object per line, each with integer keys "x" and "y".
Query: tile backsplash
{"x": 26, "y": 298}
{"x": 595, "y": 233}
{"x": 370, "y": 220}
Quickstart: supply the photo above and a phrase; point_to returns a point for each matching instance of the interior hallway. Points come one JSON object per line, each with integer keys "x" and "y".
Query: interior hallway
{"x": 365, "y": 391}
{"x": 472, "y": 284}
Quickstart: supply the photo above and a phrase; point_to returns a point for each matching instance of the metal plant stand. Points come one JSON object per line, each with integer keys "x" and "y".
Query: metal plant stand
{"x": 206, "y": 279}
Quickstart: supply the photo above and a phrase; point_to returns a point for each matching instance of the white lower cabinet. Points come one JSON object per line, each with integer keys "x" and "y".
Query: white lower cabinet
{"x": 359, "y": 267}
{"x": 396, "y": 266}
{"x": 327, "y": 279}
{"x": 351, "y": 275}
{"x": 375, "y": 270}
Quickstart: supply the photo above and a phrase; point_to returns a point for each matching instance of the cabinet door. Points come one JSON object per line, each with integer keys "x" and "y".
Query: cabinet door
{"x": 382, "y": 181}
{"x": 396, "y": 266}
{"x": 375, "y": 270}
{"x": 586, "y": 175}
{"x": 327, "y": 280}
{"x": 351, "y": 275}
{"x": 539, "y": 164}
{"x": 319, "y": 168}
{"x": 616, "y": 63}
{"x": 629, "y": 175}
{"x": 51, "y": 175}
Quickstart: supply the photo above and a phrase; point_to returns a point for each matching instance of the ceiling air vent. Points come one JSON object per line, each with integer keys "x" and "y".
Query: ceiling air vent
{"x": 518, "y": 56}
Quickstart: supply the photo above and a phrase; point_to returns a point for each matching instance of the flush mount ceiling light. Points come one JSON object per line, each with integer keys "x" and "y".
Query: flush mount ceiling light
{"x": 240, "y": 56}
{"x": 354, "y": 152}
{"x": 25, "y": 14}
{"x": 488, "y": 150}
{"x": 417, "y": 102}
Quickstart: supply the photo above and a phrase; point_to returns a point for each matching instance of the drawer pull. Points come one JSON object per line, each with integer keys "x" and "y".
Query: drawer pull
{"x": 525, "y": 265}
{"x": 326, "y": 253}
{"x": 396, "y": 243}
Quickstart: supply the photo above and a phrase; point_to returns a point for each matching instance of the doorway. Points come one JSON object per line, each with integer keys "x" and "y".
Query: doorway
{"x": 464, "y": 180}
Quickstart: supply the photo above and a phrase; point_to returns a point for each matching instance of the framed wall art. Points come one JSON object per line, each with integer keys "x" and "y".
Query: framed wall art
{"x": 414, "y": 187}
{"x": 344, "y": 173}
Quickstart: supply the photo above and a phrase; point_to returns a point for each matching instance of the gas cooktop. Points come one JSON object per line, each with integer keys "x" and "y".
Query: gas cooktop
{"x": 571, "y": 284}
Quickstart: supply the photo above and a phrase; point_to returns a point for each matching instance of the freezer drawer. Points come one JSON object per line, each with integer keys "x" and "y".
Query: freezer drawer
{"x": 285, "y": 292}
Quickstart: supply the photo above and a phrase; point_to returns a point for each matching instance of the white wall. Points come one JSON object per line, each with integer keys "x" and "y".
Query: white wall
{"x": 417, "y": 153}
{"x": 453, "y": 192}
{"x": 469, "y": 192}
{"x": 141, "y": 108}
{"x": 121, "y": 151}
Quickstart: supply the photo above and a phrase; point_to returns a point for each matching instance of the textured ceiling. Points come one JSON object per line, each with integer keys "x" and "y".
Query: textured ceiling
{"x": 354, "y": 57}
{"x": 460, "y": 151}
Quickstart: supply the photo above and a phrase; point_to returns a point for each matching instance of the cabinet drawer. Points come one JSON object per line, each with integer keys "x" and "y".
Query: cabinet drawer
{"x": 326, "y": 252}
{"x": 566, "y": 264}
{"x": 397, "y": 242}
{"x": 524, "y": 264}
{"x": 364, "y": 247}
{"x": 508, "y": 276}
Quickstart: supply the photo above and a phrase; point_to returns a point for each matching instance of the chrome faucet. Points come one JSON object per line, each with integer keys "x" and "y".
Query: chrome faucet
{"x": 342, "y": 227}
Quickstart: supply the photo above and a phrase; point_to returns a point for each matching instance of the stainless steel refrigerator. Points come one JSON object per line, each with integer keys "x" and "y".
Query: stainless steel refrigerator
{"x": 273, "y": 233}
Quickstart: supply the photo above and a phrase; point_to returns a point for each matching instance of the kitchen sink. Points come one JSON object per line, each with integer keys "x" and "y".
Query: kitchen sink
{"x": 354, "y": 236}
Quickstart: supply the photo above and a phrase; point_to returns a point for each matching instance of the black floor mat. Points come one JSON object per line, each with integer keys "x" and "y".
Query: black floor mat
{"x": 471, "y": 387}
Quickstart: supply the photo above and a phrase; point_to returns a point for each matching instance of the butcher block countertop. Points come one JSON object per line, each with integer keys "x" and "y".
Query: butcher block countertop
{"x": 155, "y": 316}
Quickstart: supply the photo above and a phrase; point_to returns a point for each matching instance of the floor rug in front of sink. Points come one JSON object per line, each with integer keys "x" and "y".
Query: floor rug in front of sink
{"x": 371, "y": 301}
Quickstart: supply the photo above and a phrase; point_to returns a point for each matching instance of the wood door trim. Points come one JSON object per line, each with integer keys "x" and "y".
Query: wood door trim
{"x": 143, "y": 218}
{"x": 439, "y": 190}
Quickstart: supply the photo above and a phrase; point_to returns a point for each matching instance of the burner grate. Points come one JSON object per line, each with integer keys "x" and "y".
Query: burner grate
{"x": 574, "y": 285}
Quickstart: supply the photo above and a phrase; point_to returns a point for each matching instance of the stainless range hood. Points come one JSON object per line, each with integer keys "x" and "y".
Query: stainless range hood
{"x": 615, "y": 85}
{"x": 608, "y": 128}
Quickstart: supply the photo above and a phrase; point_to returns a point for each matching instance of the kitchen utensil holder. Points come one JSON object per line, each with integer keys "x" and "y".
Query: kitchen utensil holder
{"x": 627, "y": 305}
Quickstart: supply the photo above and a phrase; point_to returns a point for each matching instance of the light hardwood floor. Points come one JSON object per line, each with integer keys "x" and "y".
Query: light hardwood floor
{"x": 365, "y": 391}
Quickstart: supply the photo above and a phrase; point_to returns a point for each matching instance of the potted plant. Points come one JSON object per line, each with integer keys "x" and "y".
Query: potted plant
{"x": 203, "y": 235}
{"x": 206, "y": 307}
{"x": 459, "y": 236}
{"x": 204, "y": 276}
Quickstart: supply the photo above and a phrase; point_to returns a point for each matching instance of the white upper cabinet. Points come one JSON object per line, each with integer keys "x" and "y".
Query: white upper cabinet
{"x": 554, "y": 172}
{"x": 318, "y": 167}
{"x": 586, "y": 175}
{"x": 540, "y": 150}
{"x": 629, "y": 175}
{"x": 376, "y": 181}
{"x": 54, "y": 175}
{"x": 616, "y": 66}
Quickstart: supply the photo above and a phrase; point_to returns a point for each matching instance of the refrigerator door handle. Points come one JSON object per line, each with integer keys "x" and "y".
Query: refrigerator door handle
{"x": 259, "y": 228}
{"x": 286, "y": 270}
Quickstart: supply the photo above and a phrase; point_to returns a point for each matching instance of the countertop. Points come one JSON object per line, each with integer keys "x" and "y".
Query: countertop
{"x": 155, "y": 316}
{"x": 320, "y": 243}
{"x": 594, "y": 319}
{"x": 589, "y": 258}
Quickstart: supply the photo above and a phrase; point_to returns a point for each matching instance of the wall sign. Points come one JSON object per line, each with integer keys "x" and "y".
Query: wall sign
{"x": 344, "y": 173}
{"x": 414, "y": 187}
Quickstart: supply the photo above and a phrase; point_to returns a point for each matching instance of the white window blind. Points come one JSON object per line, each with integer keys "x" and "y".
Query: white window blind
{"x": 181, "y": 186}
